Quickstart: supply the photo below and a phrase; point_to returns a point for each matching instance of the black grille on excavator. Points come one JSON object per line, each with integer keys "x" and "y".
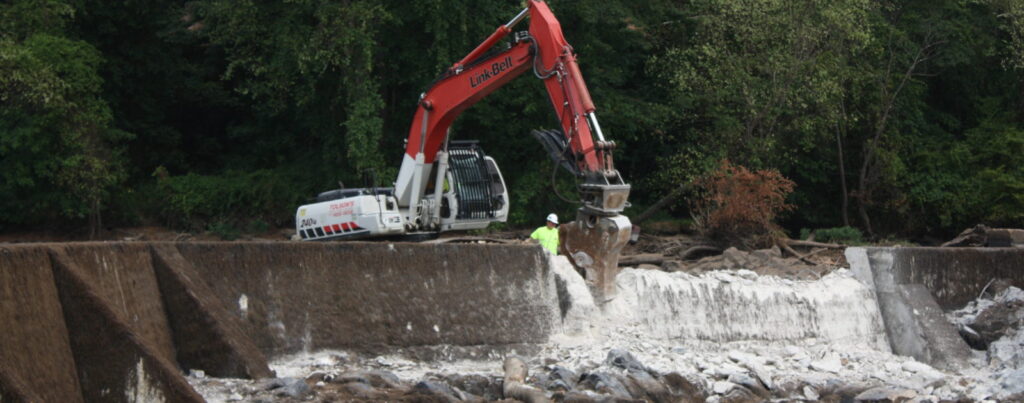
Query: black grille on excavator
{"x": 472, "y": 181}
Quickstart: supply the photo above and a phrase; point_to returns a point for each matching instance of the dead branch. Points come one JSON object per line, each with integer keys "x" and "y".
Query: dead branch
{"x": 811, "y": 244}
{"x": 693, "y": 250}
{"x": 784, "y": 246}
{"x": 643, "y": 258}
{"x": 515, "y": 386}
{"x": 664, "y": 201}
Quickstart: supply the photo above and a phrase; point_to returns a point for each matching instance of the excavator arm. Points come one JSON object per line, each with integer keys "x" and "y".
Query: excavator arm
{"x": 594, "y": 240}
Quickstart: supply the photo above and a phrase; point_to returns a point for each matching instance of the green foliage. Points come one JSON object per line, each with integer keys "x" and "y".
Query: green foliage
{"x": 194, "y": 201}
{"x": 60, "y": 156}
{"x": 224, "y": 231}
{"x": 246, "y": 108}
{"x": 768, "y": 75}
{"x": 842, "y": 235}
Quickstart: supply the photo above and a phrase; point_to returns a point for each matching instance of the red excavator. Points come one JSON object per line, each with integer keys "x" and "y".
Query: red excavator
{"x": 448, "y": 185}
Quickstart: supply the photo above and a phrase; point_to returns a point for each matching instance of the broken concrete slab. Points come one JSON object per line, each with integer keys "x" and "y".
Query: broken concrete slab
{"x": 915, "y": 285}
{"x": 942, "y": 345}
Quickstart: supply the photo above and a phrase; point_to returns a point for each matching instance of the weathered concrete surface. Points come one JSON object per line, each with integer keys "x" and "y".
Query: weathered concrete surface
{"x": 112, "y": 321}
{"x": 954, "y": 276}
{"x": 944, "y": 347}
{"x": 115, "y": 363}
{"x": 35, "y": 354}
{"x": 913, "y": 286}
{"x": 13, "y": 389}
{"x": 206, "y": 335}
{"x": 294, "y": 297}
{"x": 122, "y": 273}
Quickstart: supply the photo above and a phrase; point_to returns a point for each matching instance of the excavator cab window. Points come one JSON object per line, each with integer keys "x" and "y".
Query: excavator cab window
{"x": 497, "y": 186}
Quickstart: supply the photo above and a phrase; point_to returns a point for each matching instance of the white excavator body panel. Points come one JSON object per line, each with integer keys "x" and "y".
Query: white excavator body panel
{"x": 359, "y": 216}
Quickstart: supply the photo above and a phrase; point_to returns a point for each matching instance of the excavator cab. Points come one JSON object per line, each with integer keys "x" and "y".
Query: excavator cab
{"x": 475, "y": 194}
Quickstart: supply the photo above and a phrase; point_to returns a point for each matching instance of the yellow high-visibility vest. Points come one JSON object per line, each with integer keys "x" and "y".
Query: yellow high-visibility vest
{"x": 548, "y": 238}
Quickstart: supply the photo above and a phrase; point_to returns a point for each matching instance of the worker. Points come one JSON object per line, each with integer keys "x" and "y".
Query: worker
{"x": 548, "y": 234}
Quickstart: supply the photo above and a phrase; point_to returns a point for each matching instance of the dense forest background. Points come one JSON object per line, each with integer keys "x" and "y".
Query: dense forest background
{"x": 900, "y": 118}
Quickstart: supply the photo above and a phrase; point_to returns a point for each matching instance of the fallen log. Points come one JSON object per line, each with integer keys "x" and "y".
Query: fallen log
{"x": 812, "y": 244}
{"x": 515, "y": 387}
{"x": 693, "y": 250}
{"x": 643, "y": 258}
{"x": 785, "y": 246}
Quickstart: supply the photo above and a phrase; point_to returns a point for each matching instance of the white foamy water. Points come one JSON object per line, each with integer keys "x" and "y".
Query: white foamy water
{"x": 732, "y": 307}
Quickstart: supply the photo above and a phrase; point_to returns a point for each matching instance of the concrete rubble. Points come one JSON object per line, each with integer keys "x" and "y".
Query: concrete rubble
{"x": 994, "y": 325}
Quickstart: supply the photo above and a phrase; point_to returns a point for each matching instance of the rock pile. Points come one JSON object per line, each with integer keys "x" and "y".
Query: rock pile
{"x": 994, "y": 323}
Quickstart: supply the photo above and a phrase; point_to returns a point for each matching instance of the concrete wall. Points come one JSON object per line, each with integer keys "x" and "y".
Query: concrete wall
{"x": 35, "y": 354}
{"x": 914, "y": 285}
{"x": 955, "y": 276}
{"x": 295, "y": 297}
{"x": 120, "y": 321}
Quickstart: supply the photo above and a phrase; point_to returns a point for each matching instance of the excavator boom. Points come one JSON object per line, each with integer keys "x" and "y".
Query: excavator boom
{"x": 421, "y": 195}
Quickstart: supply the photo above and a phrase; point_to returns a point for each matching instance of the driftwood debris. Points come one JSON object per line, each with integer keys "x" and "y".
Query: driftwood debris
{"x": 515, "y": 387}
{"x": 812, "y": 244}
{"x": 643, "y": 258}
{"x": 694, "y": 250}
{"x": 785, "y": 246}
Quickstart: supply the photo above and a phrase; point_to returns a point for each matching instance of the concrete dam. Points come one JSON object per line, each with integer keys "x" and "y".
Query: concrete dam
{"x": 129, "y": 321}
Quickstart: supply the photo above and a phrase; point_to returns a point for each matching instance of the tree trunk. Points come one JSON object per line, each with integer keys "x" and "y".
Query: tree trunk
{"x": 95, "y": 220}
{"x": 842, "y": 179}
{"x": 660, "y": 204}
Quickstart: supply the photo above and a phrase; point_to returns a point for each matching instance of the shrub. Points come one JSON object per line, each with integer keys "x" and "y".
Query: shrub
{"x": 736, "y": 205}
{"x": 224, "y": 231}
{"x": 846, "y": 235}
{"x": 207, "y": 201}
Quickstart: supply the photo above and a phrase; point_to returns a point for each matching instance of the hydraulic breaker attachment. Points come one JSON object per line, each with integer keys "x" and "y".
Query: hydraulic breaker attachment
{"x": 592, "y": 243}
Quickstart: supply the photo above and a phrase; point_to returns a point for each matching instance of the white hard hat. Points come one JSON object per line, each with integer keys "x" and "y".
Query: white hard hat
{"x": 553, "y": 218}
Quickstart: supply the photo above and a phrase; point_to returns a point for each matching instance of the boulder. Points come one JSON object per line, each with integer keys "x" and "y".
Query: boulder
{"x": 998, "y": 319}
{"x": 604, "y": 383}
{"x": 885, "y": 394}
{"x": 623, "y": 359}
{"x": 687, "y": 388}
